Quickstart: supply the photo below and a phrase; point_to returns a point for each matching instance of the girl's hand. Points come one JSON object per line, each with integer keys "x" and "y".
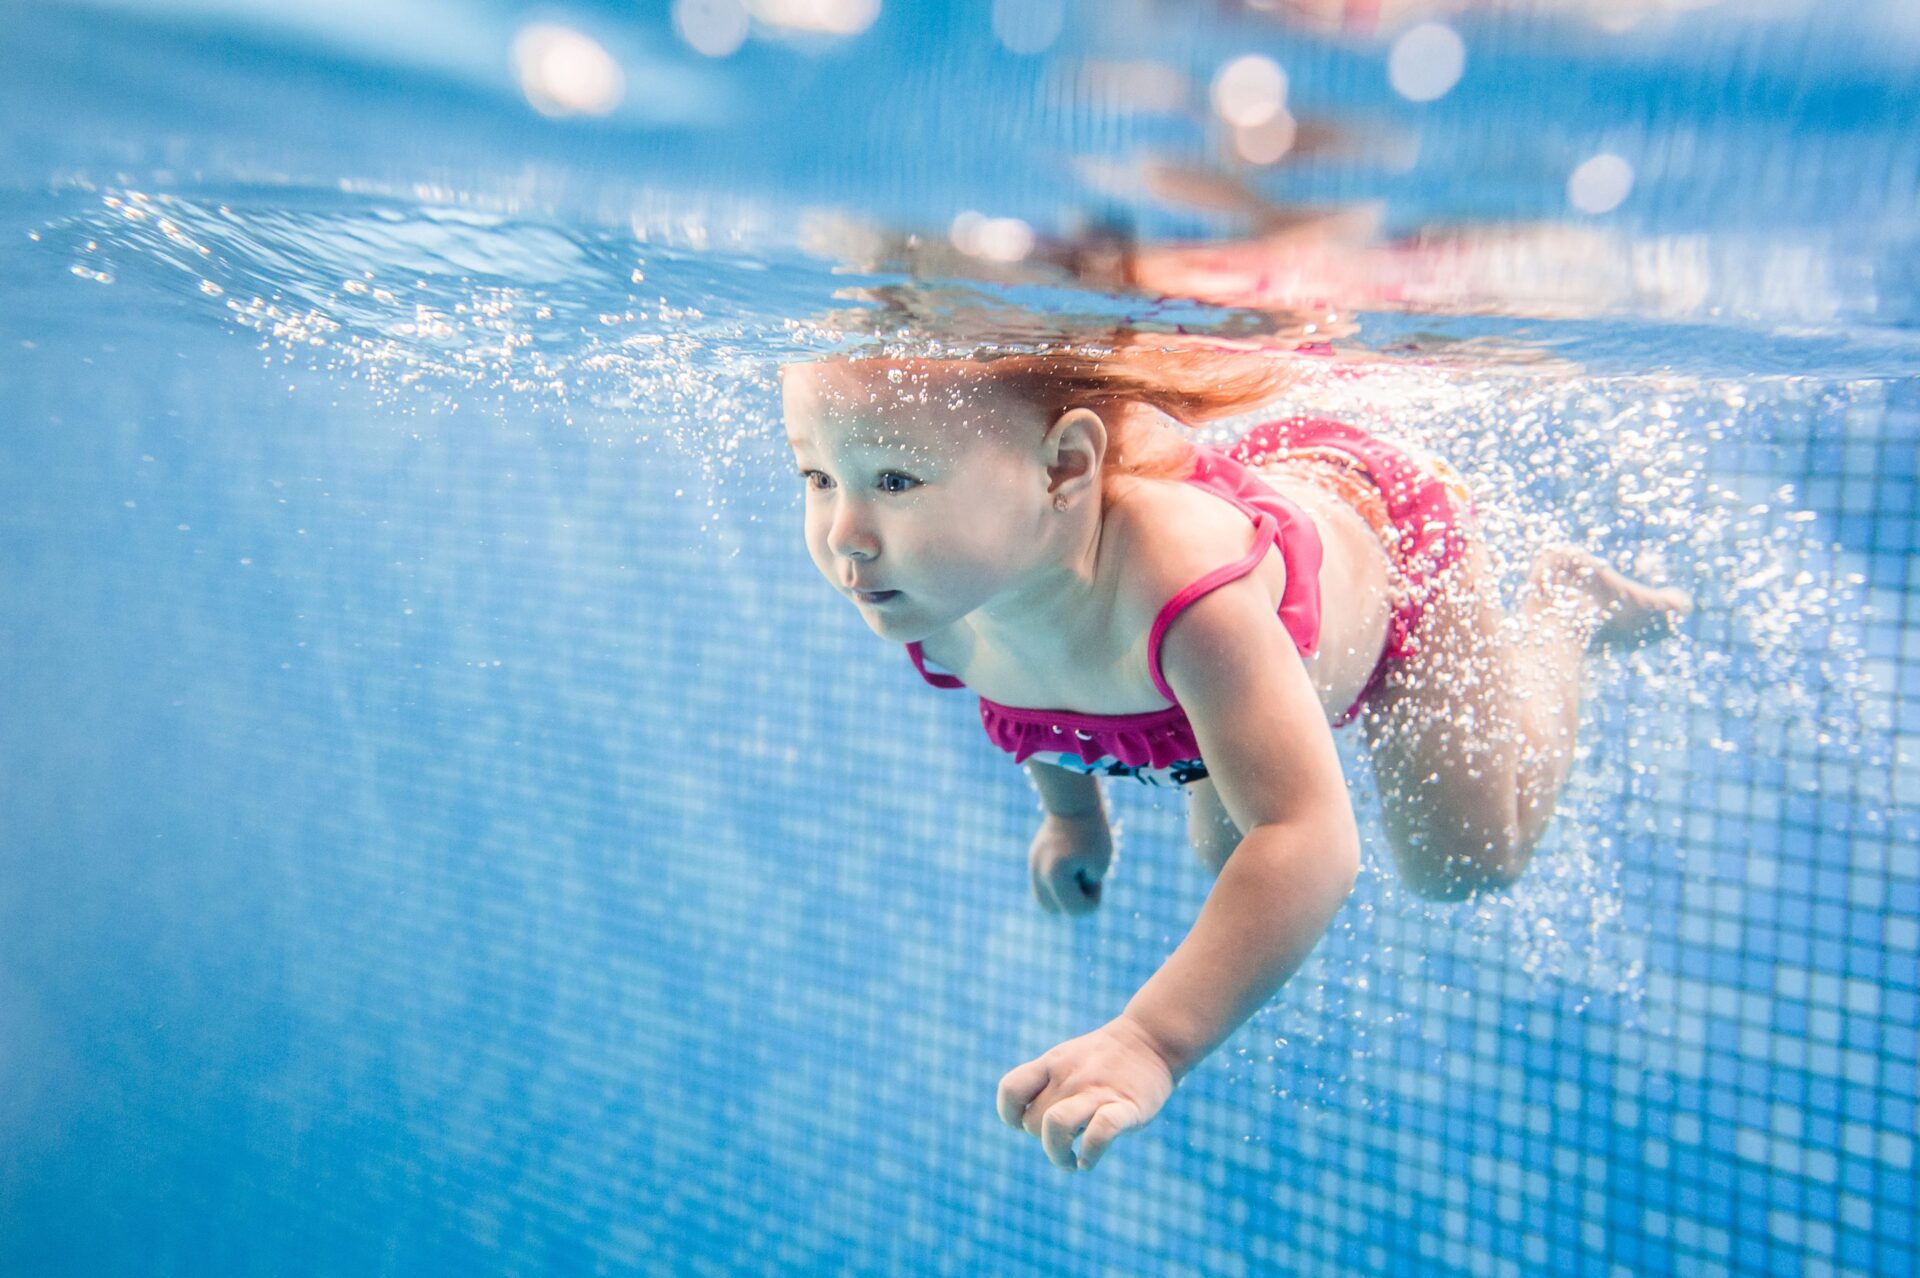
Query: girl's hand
{"x": 1103, "y": 1083}
{"x": 1069, "y": 857}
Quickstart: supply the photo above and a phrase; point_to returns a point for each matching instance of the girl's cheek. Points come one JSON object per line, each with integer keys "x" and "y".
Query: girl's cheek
{"x": 816, "y": 539}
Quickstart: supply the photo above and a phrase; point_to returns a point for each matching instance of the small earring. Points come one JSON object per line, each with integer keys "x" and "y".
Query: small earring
{"x": 1059, "y": 503}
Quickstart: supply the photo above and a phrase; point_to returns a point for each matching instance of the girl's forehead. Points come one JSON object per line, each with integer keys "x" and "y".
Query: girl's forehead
{"x": 902, "y": 404}
{"x": 904, "y": 386}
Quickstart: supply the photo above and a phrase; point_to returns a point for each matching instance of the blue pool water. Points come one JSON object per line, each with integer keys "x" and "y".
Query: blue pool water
{"x": 446, "y": 826}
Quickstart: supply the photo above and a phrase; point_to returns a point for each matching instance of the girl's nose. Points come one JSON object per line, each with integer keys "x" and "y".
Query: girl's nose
{"x": 850, "y": 536}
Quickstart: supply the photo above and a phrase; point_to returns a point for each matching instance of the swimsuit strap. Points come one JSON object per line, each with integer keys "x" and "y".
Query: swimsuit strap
{"x": 920, "y": 664}
{"x": 1266, "y": 532}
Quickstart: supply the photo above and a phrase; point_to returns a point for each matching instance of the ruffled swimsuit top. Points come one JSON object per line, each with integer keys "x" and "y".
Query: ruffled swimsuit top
{"x": 1158, "y": 746}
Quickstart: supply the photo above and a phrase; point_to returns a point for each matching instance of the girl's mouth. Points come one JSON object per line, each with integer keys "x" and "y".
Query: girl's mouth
{"x": 875, "y": 596}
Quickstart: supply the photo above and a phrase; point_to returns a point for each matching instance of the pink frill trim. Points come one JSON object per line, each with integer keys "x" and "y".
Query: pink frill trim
{"x": 1156, "y": 739}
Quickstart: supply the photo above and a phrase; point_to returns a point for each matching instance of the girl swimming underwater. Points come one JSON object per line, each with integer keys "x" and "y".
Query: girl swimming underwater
{"x": 1127, "y": 602}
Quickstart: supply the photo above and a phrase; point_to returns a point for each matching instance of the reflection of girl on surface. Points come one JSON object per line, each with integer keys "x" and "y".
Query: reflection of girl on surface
{"x": 1129, "y": 603}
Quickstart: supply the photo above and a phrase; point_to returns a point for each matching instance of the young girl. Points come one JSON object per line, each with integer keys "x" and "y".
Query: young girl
{"x": 1127, "y": 602}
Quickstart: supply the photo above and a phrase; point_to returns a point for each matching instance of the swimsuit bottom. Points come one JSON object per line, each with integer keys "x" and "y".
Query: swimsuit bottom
{"x": 1418, "y": 508}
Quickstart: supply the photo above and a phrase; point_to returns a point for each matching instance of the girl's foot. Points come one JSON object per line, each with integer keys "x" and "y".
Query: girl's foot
{"x": 1571, "y": 585}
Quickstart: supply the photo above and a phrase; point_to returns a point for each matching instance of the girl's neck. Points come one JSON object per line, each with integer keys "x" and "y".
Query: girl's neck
{"x": 1065, "y": 588}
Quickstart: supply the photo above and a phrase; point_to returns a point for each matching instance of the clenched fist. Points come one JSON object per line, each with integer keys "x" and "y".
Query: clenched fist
{"x": 1069, "y": 857}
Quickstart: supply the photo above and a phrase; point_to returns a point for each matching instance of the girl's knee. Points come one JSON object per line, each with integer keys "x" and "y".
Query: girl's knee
{"x": 1459, "y": 870}
{"x": 1449, "y": 884}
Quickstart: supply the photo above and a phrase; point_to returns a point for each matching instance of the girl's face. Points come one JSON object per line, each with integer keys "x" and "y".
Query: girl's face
{"x": 926, "y": 492}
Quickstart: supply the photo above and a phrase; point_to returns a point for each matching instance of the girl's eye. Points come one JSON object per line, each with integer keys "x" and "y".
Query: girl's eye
{"x": 891, "y": 481}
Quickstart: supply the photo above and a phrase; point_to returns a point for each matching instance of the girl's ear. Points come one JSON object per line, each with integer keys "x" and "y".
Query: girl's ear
{"x": 1072, "y": 450}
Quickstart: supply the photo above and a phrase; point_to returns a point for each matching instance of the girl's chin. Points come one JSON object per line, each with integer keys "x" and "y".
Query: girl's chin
{"x": 899, "y": 626}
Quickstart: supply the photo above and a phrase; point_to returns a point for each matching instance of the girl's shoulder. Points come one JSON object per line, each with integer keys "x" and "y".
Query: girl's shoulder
{"x": 1163, "y": 535}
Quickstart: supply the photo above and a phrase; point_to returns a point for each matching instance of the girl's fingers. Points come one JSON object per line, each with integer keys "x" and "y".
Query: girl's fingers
{"x": 1107, "y": 1123}
{"x": 1043, "y": 889}
{"x": 1018, "y": 1089}
{"x": 1062, "y": 1122}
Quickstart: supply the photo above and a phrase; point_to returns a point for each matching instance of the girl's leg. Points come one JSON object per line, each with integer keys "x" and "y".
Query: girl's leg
{"x": 1473, "y": 734}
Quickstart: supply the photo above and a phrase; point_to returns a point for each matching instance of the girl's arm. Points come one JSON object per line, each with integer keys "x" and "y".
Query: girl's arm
{"x": 1268, "y": 909}
{"x": 1074, "y": 848}
{"x": 1064, "y": 792}
{"x": 1271, "y": 756}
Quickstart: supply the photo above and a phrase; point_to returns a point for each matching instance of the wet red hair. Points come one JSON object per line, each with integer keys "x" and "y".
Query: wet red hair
{"x": 1191, "y": 380}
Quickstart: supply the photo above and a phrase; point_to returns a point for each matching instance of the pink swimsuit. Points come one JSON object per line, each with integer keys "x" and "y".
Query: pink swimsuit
{"x": 1158, "y": 746}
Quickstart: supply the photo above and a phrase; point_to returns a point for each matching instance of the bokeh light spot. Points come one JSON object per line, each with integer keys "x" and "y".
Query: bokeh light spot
{"x": 1600, "y": 184}
{"x": 1426, "y": 62}
{"x": 714, "y": 27}
{"x": 827, "y": 17}
{"x": 993, "y": 239}
{"x": 564, "y": 72}
{"x": 1249, "y": 91}
{"x": 1266, "y": 143}
{"x": 1028, "y": 26}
